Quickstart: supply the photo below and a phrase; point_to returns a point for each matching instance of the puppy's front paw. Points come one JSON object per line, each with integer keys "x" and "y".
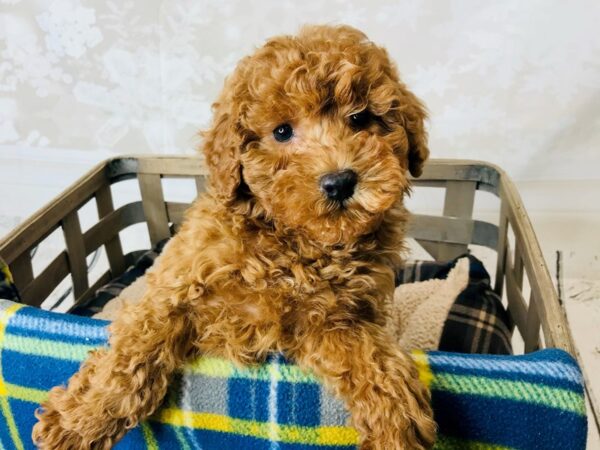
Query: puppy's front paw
{"x": 412, "y": 436}
{"x": 396, "y": 415}
{"x": 380, "y": 383}
{"x": 64, "y": 425}
{"x": 49, "y": 434}
{"x": 391, "y": 431}
{"x": 421, "y": 430}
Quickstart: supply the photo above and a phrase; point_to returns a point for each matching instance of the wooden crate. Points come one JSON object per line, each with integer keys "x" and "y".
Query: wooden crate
{"x": 539, "y": 317}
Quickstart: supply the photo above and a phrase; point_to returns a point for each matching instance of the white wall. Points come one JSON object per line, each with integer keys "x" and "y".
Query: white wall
{"x": 516, "y": 83}
{"x": 511, "y": 82}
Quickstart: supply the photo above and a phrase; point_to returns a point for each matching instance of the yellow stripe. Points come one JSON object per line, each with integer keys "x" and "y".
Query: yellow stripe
{"x": 6, "y": 272}
{"x": 208, "y": 421}
{"x": 4, "y": 404}
{"x": 6, "y": 314}
{"x": 322, "y": 435}
{"x": 215, "y": 367}
{"x": 422, "y": 363}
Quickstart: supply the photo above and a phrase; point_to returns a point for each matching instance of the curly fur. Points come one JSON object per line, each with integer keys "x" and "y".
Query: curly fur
{"x": 264, "y": 263}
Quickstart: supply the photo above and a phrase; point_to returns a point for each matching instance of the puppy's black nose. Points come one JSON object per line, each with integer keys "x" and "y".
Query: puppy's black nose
{"x": 339, "y": 185}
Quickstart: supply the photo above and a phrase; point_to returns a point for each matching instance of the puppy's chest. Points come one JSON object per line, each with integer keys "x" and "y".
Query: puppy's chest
{"x": 296, "y": 279}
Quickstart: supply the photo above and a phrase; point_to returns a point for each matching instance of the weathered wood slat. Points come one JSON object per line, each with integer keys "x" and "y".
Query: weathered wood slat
{"x": 418, "y": 182}
{"x": 112, "y": 244}
{"x": 155, "y": 210}
{"x": 458, "y": 202}
{"x": 176, "y": 210}
{"x": 75, "y": 252}
{"x": 45, "y": 221}
{"x": 552, "y": 316}
{"x": 516, "y": 302}
{"x": 22, "y": 270}
{"x": 532, "y": 327}
{"x": 457, "y": 170}
{"x": 440, "y": 229}
{"x": 518, "y": 265}
{"x": 172, "y": 166}
{"x": 200, "y": 184}
{"x": 112, "y": 224}
{"x": 42, "y": 286}
{"x": 502, "y": 249}
{"x": 484, "y": 233}
{"x": 460, "y": 198}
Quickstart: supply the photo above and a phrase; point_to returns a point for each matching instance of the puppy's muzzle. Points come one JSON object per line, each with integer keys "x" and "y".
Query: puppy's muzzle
{"x": 339, "y": 186}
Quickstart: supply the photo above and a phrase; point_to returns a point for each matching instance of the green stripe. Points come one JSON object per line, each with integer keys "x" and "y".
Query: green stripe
{"x": 10, "y": 423}
{"x": 512, "y": 390}
{"x": 26, "y": 394}
{"x": 149, "y": 439}
{"x": 41, "y": 347}
{"x": 181, "y": 438}
{"x": 208, "y": 366}
{"x": 451, "y": 443}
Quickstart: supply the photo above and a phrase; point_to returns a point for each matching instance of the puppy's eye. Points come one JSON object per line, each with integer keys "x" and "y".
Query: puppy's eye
{"x": 360, "y": 119}
{"x": 283, "y": 132}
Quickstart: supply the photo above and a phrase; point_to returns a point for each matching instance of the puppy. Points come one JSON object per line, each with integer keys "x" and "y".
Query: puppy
{"x": 292, "y": 249}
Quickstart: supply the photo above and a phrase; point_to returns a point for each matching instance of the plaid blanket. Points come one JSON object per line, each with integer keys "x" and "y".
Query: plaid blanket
{"x": 480, "y": 401}
{"x": 477, "y": 321}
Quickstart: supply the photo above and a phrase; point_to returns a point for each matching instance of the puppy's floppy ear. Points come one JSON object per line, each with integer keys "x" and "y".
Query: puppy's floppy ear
{"x": 414, "y": 116}
{"x": 221, "y": 148}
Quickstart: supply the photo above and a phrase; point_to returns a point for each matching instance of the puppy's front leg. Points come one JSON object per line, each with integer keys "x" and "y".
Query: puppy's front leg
{"x": 379, "y": 382}
{"x": 122, "y": 385}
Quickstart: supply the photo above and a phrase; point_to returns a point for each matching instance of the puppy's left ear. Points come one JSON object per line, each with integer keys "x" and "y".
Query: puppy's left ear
{"x": 221, "y": 148}
{"x": 414, "y": 116}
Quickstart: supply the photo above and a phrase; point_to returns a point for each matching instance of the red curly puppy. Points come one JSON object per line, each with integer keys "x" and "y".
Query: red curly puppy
{"x": 293, "y": 249}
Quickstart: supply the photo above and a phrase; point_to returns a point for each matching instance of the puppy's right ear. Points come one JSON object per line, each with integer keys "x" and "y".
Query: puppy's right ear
{"x": 221, "y": 148}
{"x": 414, "y": 116}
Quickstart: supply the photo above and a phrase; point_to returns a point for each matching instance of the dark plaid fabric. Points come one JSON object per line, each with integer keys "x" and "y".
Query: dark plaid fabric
{"x": 477, "y": 321}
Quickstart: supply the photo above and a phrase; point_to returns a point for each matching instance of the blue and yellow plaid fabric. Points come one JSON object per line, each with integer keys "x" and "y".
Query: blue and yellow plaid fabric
{"x": 494, "y": 402}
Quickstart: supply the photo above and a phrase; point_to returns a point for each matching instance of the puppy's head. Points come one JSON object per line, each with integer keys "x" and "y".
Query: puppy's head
{"x": 319, "y": 131}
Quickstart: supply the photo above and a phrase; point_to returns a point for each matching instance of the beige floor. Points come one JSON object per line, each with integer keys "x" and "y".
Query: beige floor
{"x": 578, "y": 238}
